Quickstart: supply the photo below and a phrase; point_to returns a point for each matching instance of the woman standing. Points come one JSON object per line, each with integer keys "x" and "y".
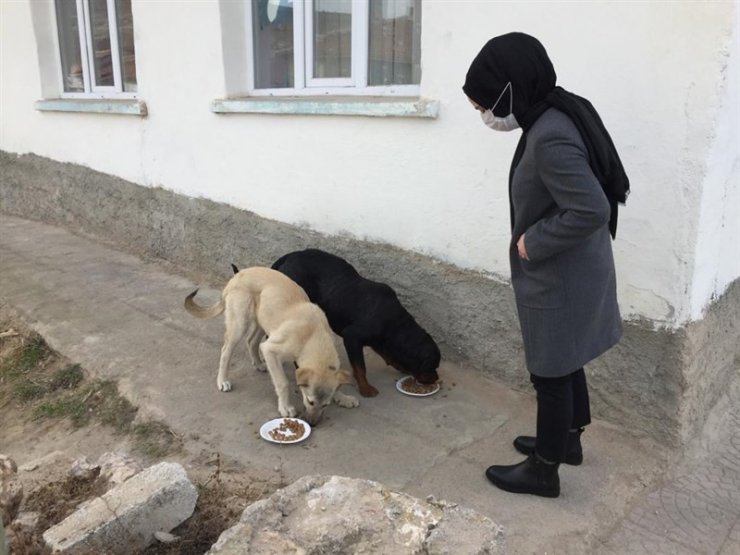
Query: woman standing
{"x": 564, "y": 184}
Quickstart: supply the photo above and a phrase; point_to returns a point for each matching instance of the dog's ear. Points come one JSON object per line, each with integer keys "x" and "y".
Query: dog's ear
{"x": 302, "y": 376}
{"x": 235, "y": 269}
{"x": 344, "y": 377}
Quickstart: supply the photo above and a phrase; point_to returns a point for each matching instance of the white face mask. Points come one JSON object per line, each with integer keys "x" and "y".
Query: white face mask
{"x": 496, "y": 123}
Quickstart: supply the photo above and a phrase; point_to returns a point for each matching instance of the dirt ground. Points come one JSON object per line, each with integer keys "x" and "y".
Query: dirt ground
{"x": 49, "y": 404}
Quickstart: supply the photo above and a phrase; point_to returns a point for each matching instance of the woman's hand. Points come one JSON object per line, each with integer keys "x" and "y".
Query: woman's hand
{"x": 522, "y": 248}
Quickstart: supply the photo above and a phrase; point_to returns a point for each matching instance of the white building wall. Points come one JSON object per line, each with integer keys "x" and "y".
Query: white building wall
{"x": 655, "y": 71}
{"x": 717, "y": 261}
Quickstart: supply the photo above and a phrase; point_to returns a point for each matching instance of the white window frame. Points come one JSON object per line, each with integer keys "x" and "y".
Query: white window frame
{"x": 304, "y": 83}
{"x": 93, "y": 90}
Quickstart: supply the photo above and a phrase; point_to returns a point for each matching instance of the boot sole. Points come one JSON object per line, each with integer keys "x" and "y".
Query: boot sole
{"x": 540, "y": 493}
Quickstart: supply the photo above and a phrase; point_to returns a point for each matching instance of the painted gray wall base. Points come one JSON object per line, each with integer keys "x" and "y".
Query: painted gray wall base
{"x": 658, "y": 382}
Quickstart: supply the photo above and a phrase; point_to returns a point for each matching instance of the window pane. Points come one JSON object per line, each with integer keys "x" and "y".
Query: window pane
{"x": 332, "y": 46}
{"x": 273, "y": 43}
{"x": 395, "y": 42}
{"x": 69, "y": 46}
{"x": 125, "y": 22}
{"x": 102, "y": 59}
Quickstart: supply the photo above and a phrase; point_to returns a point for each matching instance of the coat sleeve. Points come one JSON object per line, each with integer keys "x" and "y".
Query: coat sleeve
{"x": 563, "y": 167}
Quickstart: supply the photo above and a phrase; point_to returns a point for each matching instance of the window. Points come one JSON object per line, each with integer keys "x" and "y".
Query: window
{"x": 96, "y": 47}
{"x": 335, "y": 46}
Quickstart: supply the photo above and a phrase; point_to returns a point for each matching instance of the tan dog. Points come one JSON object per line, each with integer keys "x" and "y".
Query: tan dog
{"x": 259, "y": 301}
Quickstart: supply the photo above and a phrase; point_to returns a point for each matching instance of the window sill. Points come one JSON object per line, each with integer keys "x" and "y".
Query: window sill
{"x": 330, "y": 106}
{"x": 128, "y": 106}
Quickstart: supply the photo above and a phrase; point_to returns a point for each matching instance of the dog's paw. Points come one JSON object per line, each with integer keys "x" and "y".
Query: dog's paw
{"x": 223, "y": 385}
{"x": 261, "y": 367}
{"x": 287, "y": 411}
{"x": 368, "y": 391}
{"x": 347, "y": 401}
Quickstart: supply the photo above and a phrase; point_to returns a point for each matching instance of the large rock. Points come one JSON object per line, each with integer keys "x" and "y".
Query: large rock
{"x": 336, "y": 515}
{"x": 126, "y": 517}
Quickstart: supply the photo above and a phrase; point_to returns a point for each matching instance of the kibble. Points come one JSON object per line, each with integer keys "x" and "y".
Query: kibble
{"x": 288, "y": 430}
{"x": 410, "y": 385}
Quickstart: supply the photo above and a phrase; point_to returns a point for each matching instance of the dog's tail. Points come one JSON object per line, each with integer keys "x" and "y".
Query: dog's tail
{"x": 203, "y": 312}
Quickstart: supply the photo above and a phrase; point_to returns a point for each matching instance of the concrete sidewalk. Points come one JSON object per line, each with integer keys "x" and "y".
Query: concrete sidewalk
{"x": 122, "y": 318}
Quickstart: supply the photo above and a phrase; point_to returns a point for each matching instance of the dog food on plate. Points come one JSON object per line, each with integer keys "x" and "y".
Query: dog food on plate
{"x": 410, "y": 385}
{"x": 288, "y": 430}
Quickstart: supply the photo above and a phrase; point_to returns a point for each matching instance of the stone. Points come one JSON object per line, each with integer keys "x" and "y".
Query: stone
{"x": 11, "y": 495}
{"x": 4, "y": 542}
{"x": 83, "y": 468}
{"x": 337, "y": 515}
{"x": 27, "y": 519}
{"x": 126, "y": 518}
{"x": 117, "y": 467}
{"x": 11, "y": 490}
{"x": 51, "y": 459}
{"x": 165, "y": 537}
{"x": 7, "y": 466}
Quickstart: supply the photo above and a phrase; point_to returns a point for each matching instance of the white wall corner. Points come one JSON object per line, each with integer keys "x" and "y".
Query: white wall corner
{"x": 717, "y": 256}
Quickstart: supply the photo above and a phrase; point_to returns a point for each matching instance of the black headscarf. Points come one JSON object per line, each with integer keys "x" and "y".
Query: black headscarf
{"x": 522, "y": 60}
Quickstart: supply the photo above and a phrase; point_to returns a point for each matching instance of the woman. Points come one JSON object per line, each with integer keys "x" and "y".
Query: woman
{"x": 564, "y": 184}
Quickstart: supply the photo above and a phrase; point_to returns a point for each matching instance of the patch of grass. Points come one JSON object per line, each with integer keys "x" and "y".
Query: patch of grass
{"x": 71, "y": 406}
{"x": 30, "y": 354}
{"x": 100, "y": 400}
{"x": 154, "y": 439}
{"x": 29, "y": 391}
{"x": 33, "y": 353}
{"x": 68, "y": 377}
{"x": 65, "y": 378}
{"x": 110, "y": 407}
{"x": 28, "y": 357}
{"x": 97, "y": 399}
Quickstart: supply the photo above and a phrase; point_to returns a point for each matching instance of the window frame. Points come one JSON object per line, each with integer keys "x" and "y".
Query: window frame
{"x": 303, "y": 83}
{"x": 92, "y": 90}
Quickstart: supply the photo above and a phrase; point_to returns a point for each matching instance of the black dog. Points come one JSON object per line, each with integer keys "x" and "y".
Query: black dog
{"x": 363, "y": 313}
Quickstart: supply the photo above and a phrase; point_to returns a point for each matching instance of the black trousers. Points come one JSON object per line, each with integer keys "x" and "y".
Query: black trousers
{"x": 562, "y": 405}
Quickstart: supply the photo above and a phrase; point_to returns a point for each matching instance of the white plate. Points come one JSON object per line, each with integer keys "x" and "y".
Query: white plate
{"x": 275, "y": 423}
{"x": 402, "y": 380}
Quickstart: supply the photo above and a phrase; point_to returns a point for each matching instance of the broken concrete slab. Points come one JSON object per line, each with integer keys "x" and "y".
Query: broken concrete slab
{"x": 336, "y": 515}
{"x": 126, "y": 517}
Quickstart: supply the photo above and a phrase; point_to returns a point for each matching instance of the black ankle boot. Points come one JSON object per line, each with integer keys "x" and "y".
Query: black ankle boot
{"x": 573, "y": 453}
{"x": 532, "y": 475}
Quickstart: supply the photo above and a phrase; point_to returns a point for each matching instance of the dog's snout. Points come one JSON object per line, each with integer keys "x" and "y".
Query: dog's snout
{"x": 314, "y": 418}
{"x": 428, "y": 378}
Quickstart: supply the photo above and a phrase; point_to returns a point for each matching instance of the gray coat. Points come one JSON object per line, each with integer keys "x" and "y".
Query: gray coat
{"x": 566, "y": 292}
